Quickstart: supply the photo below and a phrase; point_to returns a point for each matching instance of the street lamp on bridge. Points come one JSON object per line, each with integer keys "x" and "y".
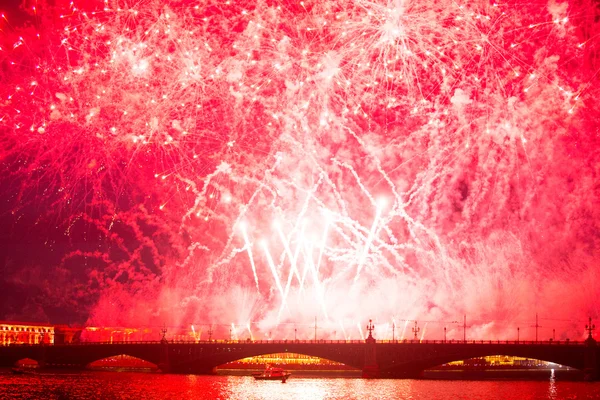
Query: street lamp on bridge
{"x": 536, "y": 326}
{"x": 465, "y": 328}
{"x": 416, "y": 330}
{"x": 164, "y": 333}
{"x": 370, "y": 328}
{"x": 589, "y": 327}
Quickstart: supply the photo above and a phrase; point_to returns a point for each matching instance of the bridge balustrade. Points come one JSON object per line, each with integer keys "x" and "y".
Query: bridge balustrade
{"x": 218, "y": 342}
{"x": 403, "y": 341}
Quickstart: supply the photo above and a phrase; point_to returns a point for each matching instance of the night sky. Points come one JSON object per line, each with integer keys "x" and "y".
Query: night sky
{"x": 262, "y": 163}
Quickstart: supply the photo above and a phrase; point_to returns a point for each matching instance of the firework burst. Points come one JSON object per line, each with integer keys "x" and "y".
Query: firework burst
{"x": 396, "y": 160}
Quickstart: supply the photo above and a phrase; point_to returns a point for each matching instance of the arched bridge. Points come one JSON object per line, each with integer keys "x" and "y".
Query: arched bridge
{"x": 392, "y": 359}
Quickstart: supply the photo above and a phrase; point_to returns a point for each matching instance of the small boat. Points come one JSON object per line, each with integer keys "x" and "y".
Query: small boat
{"x": 23, "y": 371}
{"x": 272, "y": 374}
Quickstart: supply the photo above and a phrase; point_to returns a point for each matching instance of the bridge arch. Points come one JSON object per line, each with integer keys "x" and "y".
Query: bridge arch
{"x": 205, "y": 359}
{"x": 146, "y": 353}
{"x": 412, "y": 360}
{"x": 79, "y": 356}
{"x": 449, "y": 359}
{"x": 285, "y": 360}
{"x": 498, "y": 360}
{"x": 124, "y": 361}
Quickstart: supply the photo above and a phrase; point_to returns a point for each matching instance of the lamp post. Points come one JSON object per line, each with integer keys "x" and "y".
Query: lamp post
{"x": 416, "y": 330}
{"x": 164, "y": 334}
{"x": 518, "y": 330}
{"x": 590, "y": 328}
{"x": 295, "y": 332}
{"x": 444, "y": 334}
{"x": 370, "y": 328}
{"x": 536, "y": 326}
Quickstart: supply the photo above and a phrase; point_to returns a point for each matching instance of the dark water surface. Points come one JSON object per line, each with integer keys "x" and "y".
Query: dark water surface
{"x": 147, "y": 386}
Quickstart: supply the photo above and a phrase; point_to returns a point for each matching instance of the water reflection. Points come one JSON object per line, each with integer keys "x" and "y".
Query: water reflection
{"x": 139, "y": 386}
{"x": 317, "y": 389}
{"x": 552, "y": 387}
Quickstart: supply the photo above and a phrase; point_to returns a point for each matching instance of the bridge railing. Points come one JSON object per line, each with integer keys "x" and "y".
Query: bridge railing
{"x": 324, "y": 341}
{"x": 497, "y": 341}
{"x": 220, "y": 341}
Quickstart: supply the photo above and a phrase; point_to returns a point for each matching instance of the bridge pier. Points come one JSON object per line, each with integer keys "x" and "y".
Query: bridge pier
{"x": 591, "y": 371}
{"x": 402, "y": 374}
{"x": 370, "y": 368}
{"x": 42, "y": 359}
{"x": 164, "y": 365}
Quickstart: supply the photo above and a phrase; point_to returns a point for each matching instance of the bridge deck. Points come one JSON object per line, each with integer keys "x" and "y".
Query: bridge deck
{"x": 393, "y": 358}
{"x": 404, "y": 341}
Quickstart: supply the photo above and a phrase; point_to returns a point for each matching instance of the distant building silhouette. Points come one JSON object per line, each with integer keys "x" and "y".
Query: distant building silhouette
{"x": 16, "y": 332}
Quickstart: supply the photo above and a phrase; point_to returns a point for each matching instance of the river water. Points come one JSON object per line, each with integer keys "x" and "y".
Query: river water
{"x": 150, "y": 386}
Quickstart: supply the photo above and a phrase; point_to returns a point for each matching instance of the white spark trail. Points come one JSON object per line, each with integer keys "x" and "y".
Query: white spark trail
{"x": 272, "y": 267}
{"x": 365, "y": 251}
{"x": 248, "y": 247}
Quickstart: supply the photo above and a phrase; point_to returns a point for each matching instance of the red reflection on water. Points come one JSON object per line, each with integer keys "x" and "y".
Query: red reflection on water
{"x": 108, "y": 385}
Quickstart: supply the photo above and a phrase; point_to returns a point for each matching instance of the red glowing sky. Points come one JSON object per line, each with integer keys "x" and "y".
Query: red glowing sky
{"x": 263, "y": 163}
